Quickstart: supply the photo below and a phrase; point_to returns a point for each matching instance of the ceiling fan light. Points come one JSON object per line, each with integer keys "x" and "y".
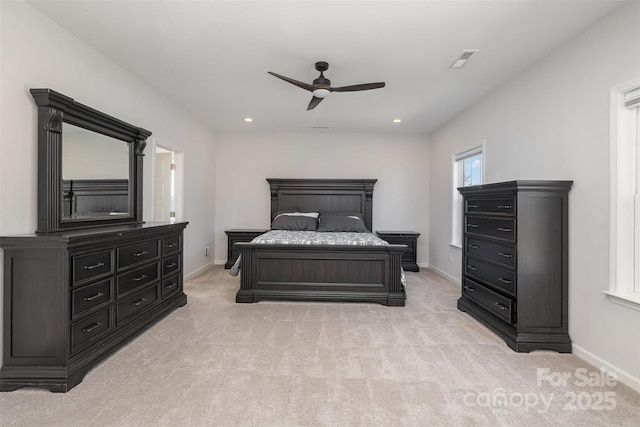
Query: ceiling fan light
{"x": 321, "y": 93}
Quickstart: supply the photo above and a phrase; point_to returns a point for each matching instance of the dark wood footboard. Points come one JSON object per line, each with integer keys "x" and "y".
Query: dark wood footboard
{"x": 321, "y": 273}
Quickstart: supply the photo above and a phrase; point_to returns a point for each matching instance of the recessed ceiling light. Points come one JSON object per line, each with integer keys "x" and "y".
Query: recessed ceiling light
{"x": 397, "y": 120}
{"x": 462, "y": 59}
{"x": 248, "y": 119}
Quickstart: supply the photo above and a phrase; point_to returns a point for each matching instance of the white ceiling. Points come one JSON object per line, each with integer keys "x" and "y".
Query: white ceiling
{"x": 212, "y": 57}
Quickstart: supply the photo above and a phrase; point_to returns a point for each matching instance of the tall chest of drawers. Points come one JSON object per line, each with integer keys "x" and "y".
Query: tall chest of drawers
{"x": 73, "y": 298}
{"x": 515, "y": 262}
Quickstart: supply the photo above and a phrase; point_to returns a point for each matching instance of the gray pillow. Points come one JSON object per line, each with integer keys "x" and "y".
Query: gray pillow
{"x": 294, "y": 223}
{"x": 341, "y": 222}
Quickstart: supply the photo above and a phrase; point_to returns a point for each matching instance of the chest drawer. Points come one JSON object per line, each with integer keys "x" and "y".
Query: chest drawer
{"x": 171, "y": 244}
{"x": 90, "y": 328}
{"x": 496, "y": 252}
{"x": 170, "y": 265}
{"x": 136, "y": 278}
{"x": 495, "y": 276}
{"x": 504, "y": 308}
{"x": 88, "y": 297}
{"x": 92, "y": 265}
{"x": 170, "y": 285}
{"x": 506, "y": 206}
{"x": 137, "y": 253}
{"x": 504, "y": 229}
{"x": 135, "y": 304}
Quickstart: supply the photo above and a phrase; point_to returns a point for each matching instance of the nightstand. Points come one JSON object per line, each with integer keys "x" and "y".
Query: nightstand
{"x": 234, "y": 236}
{"x": 409, "y": 238}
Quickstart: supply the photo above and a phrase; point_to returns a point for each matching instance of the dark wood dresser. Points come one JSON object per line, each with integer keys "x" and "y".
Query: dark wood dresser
{"x": 409, "y": 238}
{"x": 72, "y": 298}
{"x": 514, "y": 263}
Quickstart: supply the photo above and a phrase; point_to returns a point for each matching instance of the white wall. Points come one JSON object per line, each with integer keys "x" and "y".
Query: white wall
{"x": 36, "y": 52}
{"x": 399, "y": 162}
{"x": 552, "y": 122}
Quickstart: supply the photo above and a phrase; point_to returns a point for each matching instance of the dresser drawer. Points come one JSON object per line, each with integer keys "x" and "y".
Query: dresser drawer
{"x": 505, "y": 206}
{"x": 136, "y": 278}
{"x": 90, "y": 296}
{"x": 92, "y": 265}
{"x": 136, "y": 303}
{"x": 171, "y": 244}
{"x": 170, "y": 285}
{"x": 90, "y": 328}
{"x": 495, "y": 276}
{"x": 503, "y": 307}
{"x": 496, "y": 252}
{"x": 170, "y": 265}
{"x": 504, "y": 229}
{"x": 138, "y": 253}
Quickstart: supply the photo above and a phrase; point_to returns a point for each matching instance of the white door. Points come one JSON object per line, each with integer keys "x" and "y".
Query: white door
{"x": 163, "y": 188}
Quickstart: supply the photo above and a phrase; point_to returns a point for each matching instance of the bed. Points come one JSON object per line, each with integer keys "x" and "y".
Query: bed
{"x": 322, "y": 272}
{"x": 86, "y": 198}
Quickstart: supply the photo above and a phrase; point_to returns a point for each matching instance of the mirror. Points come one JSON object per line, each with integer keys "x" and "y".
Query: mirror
{"x": 89, "y": 166}
{"x": 95, "y": 174}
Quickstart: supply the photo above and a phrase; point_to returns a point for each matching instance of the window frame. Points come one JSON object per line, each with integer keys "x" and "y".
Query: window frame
{"x": 624, "y": 251}
{"x": 456, "y": 199}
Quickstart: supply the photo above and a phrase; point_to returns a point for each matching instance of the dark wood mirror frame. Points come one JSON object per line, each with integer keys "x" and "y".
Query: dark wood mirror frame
{"x": 54, "y": 109}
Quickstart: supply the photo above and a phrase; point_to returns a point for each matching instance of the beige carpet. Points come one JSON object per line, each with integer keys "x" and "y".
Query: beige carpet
{"x": 217, "y": 363}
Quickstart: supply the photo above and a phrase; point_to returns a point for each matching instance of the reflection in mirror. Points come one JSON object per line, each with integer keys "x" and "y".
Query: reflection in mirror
{"x": 95, "y": 174}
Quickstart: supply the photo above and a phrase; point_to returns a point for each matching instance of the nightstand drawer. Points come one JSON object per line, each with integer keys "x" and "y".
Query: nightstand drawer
{"x": 91, "y": 296}
{"x": 235, "y": 236}
{"x": 137, "y": 253}
{"x": 504, "y": 229}
{"x": 496, "y": 252}
{"x": 497, "y": 304}
{"x": 491, "y": 206}
{"x": 136, "y": 278}
{"x": 91, "y": 265}
{"x": 498, "y": 277}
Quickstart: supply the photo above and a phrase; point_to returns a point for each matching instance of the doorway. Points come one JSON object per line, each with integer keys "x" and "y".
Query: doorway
{"x": 167, "y": 185}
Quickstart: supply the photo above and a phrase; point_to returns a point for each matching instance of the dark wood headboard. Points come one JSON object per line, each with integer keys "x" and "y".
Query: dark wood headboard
{"x": 323, "y": 195}
{"x": 95, "y": 195}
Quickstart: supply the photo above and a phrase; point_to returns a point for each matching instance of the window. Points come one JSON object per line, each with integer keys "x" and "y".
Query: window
{"x": 624, "y": 286}
{"x": 468, "y": 169}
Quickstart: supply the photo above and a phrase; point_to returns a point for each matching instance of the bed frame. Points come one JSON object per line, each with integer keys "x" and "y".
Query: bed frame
{"x": 321, "y": 273}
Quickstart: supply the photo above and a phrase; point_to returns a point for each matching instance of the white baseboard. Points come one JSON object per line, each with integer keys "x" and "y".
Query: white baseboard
{"x": 621, "y": 375}
{"x": 445, "y": 275}
{"x": 197, "y": 271}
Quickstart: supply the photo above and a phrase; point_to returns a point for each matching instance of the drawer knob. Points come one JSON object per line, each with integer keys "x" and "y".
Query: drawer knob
{"x": 504, "y": 206}
{"x": 472, "y": 267}
{"x": 137, "y": 254}
{"x": 137, "y": 279}
{"x": 469, "y": 288}
{"x": 171, "y": 285}
{"x": 473, "y": 246}
{"x": 92, "y": 327}
{"x": 138, "y": 302}
{"x": 500, "y": 306}
{"x": 173, "y": 264}
{"x": 472, "y": 225}
{"x": 502, "y": 254}
{"x": 505, "y": 229}
{"x": 503, "y": 280}
{"x": 472, "y": 206}
{"x": 170, "y": 245}
{"x": 91, "y": 298}
{"x": 91, "y": 267}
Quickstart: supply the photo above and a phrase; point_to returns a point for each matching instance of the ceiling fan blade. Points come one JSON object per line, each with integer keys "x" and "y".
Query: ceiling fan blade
{"x": 293, "y": 81}
{"x": 314, "y": 101}
{"x": 353, "y": 88}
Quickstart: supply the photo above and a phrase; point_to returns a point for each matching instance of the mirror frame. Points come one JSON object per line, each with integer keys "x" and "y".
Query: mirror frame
{"x": 54, "y": 109}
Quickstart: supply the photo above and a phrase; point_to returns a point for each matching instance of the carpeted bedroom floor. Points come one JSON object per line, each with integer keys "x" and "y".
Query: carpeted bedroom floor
{"x": 218, "y": 363}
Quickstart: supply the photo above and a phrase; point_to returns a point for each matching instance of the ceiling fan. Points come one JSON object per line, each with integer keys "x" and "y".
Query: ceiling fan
{"x": 321, "y": 86}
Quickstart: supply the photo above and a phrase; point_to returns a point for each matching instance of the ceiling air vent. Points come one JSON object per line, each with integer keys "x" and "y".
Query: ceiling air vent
{"x": 462, "y": 59}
